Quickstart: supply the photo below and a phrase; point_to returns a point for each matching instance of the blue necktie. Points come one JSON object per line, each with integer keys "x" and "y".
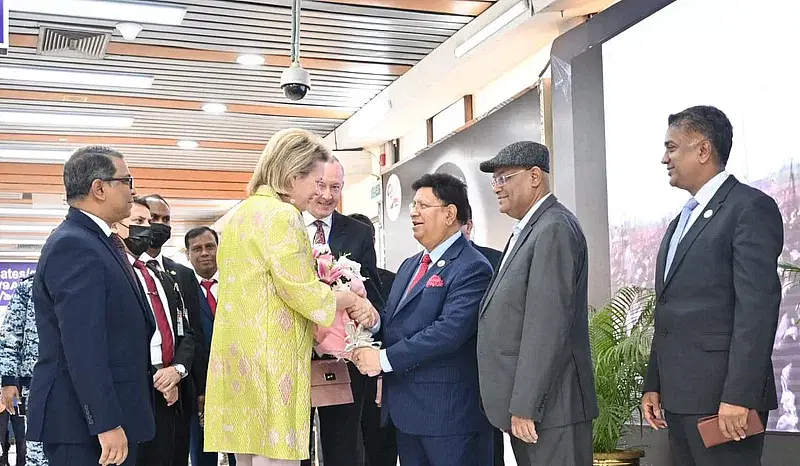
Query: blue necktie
{"x": 678, "y": 234}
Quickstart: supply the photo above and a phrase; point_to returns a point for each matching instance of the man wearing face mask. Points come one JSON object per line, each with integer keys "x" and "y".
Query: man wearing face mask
{"x": 192, "y": 389}
{"x": 171, "y": 346}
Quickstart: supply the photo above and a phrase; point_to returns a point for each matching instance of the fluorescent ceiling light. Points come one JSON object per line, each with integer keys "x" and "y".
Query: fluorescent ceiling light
{"x": 34, "y": 154}
{"x": 248, "y": 59}
{"x": 215, "y": 108}
{"x": 27, "y": 228}
{"x": 22, "y": 241}
{"x": 186, "y": 144}
{"x": 19, "y": 254}
{"x": 15, "y": 73}
{"x": 25, "y": 212}
{"x": 498, "y": 23}
{"x": 65, "y": 119}
{"x": 137, "y": 12}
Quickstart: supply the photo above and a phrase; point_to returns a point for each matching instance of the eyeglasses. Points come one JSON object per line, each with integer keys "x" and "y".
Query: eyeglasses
{"x": 421, "y": 206}
{"x": 127, "y": 180}
{"x": 500, "y": 181}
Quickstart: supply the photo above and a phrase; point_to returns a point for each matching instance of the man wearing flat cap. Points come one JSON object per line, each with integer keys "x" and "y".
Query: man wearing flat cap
{"x": 534, "y": 360}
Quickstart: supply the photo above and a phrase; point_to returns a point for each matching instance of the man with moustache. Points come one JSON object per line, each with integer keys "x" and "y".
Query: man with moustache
{"x": 430, "y": 381}
{"x": 90, "y": 400}
{"x": 340, "y": 426}
{"x": 201, "y": 249}
{"x": 718, "y": 298}
{"x": 193, "y": 387}
{"x": 533, "y": 339}
{"x": 172, "y": 344}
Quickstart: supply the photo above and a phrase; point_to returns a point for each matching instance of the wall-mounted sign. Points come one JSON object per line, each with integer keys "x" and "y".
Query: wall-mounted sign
{"x": 394, "y": 197}
{"x": 375, "y": 192}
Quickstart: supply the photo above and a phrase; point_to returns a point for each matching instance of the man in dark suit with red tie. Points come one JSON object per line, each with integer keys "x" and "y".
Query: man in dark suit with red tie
{"x": 340, "y": 426}
{"x": 193, "y": 386}
{"x": 429, "y": 325}
{"x": 201, "y": 249}
{"x": 90, "y": 399}
{"x": 171, "y": 346}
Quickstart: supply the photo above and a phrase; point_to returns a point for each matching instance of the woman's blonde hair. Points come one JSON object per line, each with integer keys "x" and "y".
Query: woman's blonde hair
{"x": 290, "y": 153}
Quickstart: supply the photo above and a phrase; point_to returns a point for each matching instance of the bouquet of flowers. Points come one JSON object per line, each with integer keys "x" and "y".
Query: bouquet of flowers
{"x": 345, "y": 335}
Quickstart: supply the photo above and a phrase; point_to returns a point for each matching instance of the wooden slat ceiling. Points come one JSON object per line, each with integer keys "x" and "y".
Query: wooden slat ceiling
{"x": 352, "y": 48}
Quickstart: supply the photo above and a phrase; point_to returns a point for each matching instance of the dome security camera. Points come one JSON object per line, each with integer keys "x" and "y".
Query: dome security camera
{"x": 295, "y": 82}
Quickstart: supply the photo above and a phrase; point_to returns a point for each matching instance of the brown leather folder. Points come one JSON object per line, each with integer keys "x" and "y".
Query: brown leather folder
{"x": 330, "y": 383}
{"x": 712, "y": 436}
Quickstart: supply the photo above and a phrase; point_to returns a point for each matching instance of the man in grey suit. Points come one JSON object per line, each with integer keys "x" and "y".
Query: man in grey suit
{"x": 534, "y": 360}
{"x": 718, "y": 296}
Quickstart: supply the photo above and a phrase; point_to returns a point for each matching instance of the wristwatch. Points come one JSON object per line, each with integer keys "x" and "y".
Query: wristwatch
{"x": 181, "y": 370}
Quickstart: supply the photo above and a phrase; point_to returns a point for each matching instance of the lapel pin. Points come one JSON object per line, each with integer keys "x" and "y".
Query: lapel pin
{"x": 708, "y": 213}
{"x": 440, "y": 263}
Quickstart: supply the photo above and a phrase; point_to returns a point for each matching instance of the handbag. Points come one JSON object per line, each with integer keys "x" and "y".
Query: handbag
{"x": 330, "y": 383}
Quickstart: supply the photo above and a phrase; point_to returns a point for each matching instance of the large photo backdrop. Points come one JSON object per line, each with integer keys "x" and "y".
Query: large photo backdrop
{"x": 691, "y": 54}
{"x": 460, "y": 155}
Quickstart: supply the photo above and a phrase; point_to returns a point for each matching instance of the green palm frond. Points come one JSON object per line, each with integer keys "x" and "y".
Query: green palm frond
{"x": 620, "y": 333}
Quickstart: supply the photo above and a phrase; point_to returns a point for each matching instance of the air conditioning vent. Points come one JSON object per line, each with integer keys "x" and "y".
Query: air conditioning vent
{"x": 28, "y": 247}
{"x": 73, "y": 42}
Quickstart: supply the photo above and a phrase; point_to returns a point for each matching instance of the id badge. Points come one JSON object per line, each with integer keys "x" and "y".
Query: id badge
{"x": 180, "y": 323}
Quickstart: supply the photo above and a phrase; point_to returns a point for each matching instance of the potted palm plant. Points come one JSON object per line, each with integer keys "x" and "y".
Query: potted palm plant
{"x": 620, "y": 333}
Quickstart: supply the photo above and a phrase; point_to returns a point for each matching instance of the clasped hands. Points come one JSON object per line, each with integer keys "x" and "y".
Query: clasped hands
{"x": 166, "y": 381}
{"x": 363, "y": 312}
{"x": 368, "y": 361}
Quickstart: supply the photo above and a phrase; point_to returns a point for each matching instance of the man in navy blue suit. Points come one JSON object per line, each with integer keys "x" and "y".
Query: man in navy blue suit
{"x": 90, "y": 399}
{"x": 430, "y": 382}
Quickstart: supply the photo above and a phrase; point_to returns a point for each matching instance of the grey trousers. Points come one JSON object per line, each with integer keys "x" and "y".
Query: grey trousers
{"x": 560, "y": 446}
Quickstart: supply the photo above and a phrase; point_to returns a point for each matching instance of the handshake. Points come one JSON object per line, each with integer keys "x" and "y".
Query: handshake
{"x": 363, "y": 313}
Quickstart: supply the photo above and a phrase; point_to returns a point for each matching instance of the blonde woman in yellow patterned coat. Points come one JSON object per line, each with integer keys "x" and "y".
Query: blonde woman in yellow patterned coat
{"x": 258, "y": 391}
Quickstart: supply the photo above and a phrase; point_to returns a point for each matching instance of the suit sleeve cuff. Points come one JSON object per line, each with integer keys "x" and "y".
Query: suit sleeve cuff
{"x": 385, "y": 366}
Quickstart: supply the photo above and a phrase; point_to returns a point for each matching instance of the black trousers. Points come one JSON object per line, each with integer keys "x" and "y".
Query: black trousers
{"x": 498, "y": 448}
{"x": 161, "y": 450}
{"x": 688, "y": 449}
{"x": 380, "y": 443}
{"x": 183, "y": 421}
{"x": 340, "y": 427}
{"x": 18, "y": 424}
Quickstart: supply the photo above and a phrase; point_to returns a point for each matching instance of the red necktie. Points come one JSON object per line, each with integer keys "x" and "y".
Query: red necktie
{"x": 319, "y": 236}
{"x": 423, "y": 269}
{"x": 167, "y": 342}
{"x": 212, "y": 302}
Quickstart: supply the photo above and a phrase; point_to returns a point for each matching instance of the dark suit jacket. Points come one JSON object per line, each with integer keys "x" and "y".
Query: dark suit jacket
{"x": 492, "y": 255}
{"x": 429, "y": 338}
{"x": 351, "y": 237}
{"x": 94, "y": 330}
{"x": 717, "y": 311}
{"x": 387, "y": 279}
{"x": 533, "y": 335}
{"x": 192, "y": 298}
{"x": 184, "y": 344}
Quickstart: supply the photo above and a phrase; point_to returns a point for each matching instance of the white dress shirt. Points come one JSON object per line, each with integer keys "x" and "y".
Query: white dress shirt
{"x": 155, "y": 342}
{"x": 214, "y": 287}
{"x": 312, "y": 229}
{"x": 703, "y": 197}
{"x": 100, "y": 222}
{"x": 145, "y": 257}
{"x": 518, "y": 229}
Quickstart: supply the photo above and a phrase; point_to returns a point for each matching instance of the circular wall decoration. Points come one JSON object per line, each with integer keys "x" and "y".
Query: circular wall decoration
{"x": 394, "y": 197}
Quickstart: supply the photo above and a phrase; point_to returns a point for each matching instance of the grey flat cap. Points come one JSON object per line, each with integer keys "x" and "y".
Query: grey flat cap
{"x": 526, "y": 154}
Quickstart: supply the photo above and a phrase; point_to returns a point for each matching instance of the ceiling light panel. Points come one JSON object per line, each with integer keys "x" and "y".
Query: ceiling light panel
{"x": 22, "y": 74}
{"x": 138, "y": 12}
